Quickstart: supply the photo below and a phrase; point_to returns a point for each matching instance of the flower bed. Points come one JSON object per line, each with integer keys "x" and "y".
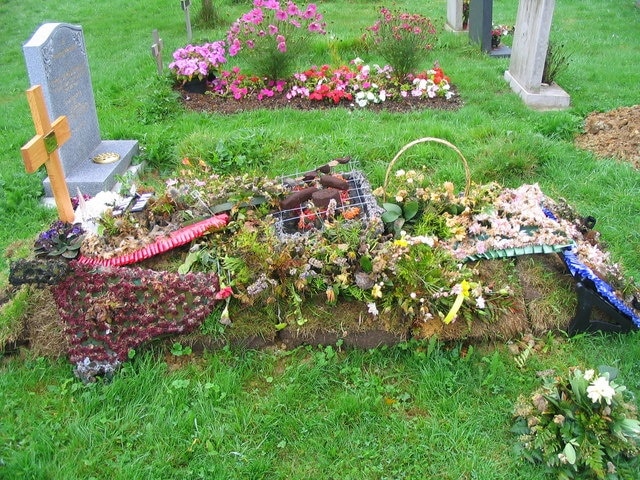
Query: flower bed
{"x": 271, "y": 38}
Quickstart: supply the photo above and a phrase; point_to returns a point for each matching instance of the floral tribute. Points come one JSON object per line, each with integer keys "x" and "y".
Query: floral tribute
{"x": 110, "y": 311}
{"x": 408, "y": 254}
{"x": 62, "y": 239}
{"x": 580, "y": 425}
{"x": 497, "y": 32}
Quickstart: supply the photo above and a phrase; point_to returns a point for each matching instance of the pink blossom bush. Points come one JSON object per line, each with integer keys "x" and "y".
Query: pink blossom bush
{"x": 271, "y": 36}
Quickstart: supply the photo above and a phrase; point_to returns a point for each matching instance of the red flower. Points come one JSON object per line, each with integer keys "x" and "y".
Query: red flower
{"x": 223, "y": 293}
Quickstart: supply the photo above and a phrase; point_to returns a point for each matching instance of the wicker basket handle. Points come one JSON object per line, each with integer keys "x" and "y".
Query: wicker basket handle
{"x": 424, "y": 140}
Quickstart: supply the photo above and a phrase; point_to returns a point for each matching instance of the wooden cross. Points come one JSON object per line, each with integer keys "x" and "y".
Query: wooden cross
{"x": 156, "y": 50}
{"x": 185, "y": 4}
{"x": 43, "y": 150}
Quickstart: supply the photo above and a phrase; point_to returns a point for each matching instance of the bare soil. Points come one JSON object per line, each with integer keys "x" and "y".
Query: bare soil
{"x": 613, "y": 134}
{"x": 210, "y": 103}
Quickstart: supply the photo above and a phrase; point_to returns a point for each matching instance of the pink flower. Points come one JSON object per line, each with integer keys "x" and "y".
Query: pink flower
{"x": 281, "y": 15}
{"x": 292, "y": 9}
{"x": 223, "y": 293}
{"x": 282, "y": 47}
{"x": 273, "y": 29}
{"x": 311, "y": 11}
{"x": 316, "y": 27}
{"x": 265, "y": 92}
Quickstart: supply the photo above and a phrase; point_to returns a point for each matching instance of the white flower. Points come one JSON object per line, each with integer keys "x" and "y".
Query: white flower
{"x": 600, "y": 389}
{"x": 589, "y": 374}
{"x": 400, "y": 173}
{"x": 373, "y": 309}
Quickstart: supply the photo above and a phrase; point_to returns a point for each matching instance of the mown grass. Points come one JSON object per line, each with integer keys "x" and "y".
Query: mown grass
{"x": 417, "y": 411}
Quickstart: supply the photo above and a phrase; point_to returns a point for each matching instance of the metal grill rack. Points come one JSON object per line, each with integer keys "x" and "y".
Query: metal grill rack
{"x": 359, "y": 196}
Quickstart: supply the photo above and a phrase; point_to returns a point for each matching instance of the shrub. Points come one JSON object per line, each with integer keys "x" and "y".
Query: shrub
{"x": 273, "y": 37}
{"x": 402, "y": 39}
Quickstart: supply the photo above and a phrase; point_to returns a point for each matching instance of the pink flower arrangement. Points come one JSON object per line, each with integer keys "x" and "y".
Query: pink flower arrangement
{"x": 198, "y": 60}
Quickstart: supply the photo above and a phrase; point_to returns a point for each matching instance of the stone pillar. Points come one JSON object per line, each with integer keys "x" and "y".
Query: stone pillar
{"x": 530, "y": 43}
{"x": 454, "y": 16}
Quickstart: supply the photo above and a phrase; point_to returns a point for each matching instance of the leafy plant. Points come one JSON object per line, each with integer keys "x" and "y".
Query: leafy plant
{"x": 273, "y": 37}
{"x": 198, "y": 61}
{"x": 396, "y": 215}
{"x": 402, "y": 39}
{"x": 579, "y": 424}
{"x": 62, "y": 239}
{"x": 555, "y": 62}
{"x": 179, "y": 350}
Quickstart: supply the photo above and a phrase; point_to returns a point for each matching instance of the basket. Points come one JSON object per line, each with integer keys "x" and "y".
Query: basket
{"x": 425, "y": 140}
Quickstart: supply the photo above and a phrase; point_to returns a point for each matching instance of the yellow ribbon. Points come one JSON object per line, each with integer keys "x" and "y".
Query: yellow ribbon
{"x": 464, "y": 292}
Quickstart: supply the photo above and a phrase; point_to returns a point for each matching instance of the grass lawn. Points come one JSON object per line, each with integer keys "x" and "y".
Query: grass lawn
{"x": 419, "y": 410}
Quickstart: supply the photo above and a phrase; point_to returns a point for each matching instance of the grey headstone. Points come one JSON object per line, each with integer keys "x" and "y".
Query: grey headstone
{"x": 480, "y": 26}
{"x": 56, "y": 59}
{"x": 454, "y": 15}
{"x": 530, "y": 43}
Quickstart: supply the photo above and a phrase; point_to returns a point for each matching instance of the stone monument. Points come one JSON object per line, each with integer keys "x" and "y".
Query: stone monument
{"x": 480, "y": 26}
{"x": 454, "y": 16}
{"x": 530, "y": 43}
{"x": 56, "y": 60}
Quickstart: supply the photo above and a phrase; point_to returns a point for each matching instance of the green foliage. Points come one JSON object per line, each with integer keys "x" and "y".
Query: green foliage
{"x": 231, "y": 152}
{"x": 402, "y": 39}
{"x": 159, "y": 103}
{"x": 555, "y": 62}
{"x": 179, "y": 350}
{"x": 579, "y": 425}
{"x": 395, "y": 216}
{"x": 432, "y": 223}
